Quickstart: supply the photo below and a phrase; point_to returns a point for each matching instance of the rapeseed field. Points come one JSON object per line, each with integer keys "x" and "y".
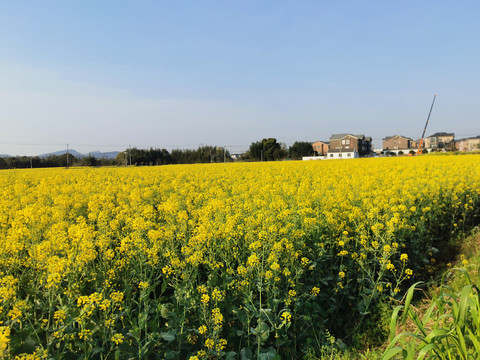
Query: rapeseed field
{"x": 244, "y": 260}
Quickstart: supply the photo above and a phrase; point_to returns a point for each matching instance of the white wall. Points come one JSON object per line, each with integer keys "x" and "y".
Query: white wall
{"x": 342, "y": 155}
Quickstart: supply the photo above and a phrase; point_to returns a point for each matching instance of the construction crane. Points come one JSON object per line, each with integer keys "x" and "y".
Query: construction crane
{"x": 423, "y": 135}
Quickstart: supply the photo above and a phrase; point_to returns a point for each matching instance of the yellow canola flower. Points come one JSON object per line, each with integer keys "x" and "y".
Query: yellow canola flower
{"x": 275, "y": 266}
{"x": 4, "y": 338}
{"x": 217, "y": 317}
{"x": 59, "y": 315}
{"x": 222, "y": 343}
{"x": 315, "y": 291}
{"x": 252, "y": 260}
{"x": 286, "y": 316}
{"x": 209, "y": 343}
{"x": 205, "y": 299}
{"x": 117, "y": 339}
{"x": 117, "y": 296}
{"x": 143, "y": 285}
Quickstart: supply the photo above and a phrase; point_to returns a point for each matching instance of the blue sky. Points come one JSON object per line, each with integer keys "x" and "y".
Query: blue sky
{"x": 103, "y": 75}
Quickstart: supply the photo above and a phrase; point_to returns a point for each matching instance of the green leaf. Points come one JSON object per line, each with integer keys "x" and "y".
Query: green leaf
{"x": 171, "y": 354}
{"x": 231, "y": 355}
{"x": 271, "y": 354}
{"x": 98, "y": 350}
{"x": 424, "y": 352}
{"x": 474, "y": 340}
{"x": 462, "y": 305}
{"x": 168, "y": 336}
{"x": 461, "y": 341}
{"x": 393, "y": 352}
{"x": 393, "y": 321}
{"x": 165, "y": 310}
{"x": 246, "y": 354}
{"x": 408, "y": 299}
{"x": 341, "y": 345}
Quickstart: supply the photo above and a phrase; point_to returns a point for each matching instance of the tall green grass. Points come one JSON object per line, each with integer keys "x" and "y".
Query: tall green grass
{"x": 448, "y": 329}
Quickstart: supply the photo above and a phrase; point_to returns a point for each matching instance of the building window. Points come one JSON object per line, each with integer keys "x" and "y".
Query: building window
{"x": 339, "y": 155}
{"x": 331, "y": 155}
{"x": 347, "y": 141}
{"x": 349, "y": 154}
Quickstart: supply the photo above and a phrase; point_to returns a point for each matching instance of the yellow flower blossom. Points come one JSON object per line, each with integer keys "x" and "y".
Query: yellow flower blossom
{"x": 217, "y": 317}
{"x": 117, "y": 339}
{"x": 209, "y": 343}
{"x": 4, "y": 338}
{"x": 252, "y": 260}
{"x": 286, "y": 316}
{"x": 205, "y": 299}
{"x": 315, "y": 291}
{"x": 143, "y": 285}
{"x": 275, "y": 266}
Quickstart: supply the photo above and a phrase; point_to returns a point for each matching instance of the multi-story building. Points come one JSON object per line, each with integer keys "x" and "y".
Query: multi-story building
{"x": 440, "y": 140}
{"x": 320, "y": 148}
{"x": 398, "y": 142}
{"x": 348, "y": 143}
{"x": 469, "y": 144}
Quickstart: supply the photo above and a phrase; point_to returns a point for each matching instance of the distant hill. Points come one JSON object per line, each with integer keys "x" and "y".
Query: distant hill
{"x": 78, "y": 155}
{"x": 4, "y": 155}
{"x": 62, "y": 152}
{"x": 104, "y": 155}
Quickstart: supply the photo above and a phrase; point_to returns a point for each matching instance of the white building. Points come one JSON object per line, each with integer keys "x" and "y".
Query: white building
{"x": 342, "y": 154}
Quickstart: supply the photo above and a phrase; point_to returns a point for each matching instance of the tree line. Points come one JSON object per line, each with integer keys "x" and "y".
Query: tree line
{"x": 132, "y": 156}
{"x": 22, "y": 162}
{"x": 265, "y": 150}
{"x": 271, "y": 150}
{"x": 204, "y": 154}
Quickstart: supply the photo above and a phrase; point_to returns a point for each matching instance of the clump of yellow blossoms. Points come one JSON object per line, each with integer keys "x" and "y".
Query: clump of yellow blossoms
{"x": 286, "y": 316}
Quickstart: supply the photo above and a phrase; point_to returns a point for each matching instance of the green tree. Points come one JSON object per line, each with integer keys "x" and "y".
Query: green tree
{"x": 204, "y": 154}
{"x": 267, "y": 150}
{"x": 89, "y": 161}
{"x": 120, "y": 159}
{"x": 300, "y": 149}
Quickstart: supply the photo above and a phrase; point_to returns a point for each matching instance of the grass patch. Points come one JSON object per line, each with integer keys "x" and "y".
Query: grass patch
{"x": 446, "y": 326}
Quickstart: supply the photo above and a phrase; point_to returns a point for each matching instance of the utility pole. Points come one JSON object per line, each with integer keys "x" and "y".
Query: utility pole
{"x": 126, "y": 161}
{"x": 67, "y": 156}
